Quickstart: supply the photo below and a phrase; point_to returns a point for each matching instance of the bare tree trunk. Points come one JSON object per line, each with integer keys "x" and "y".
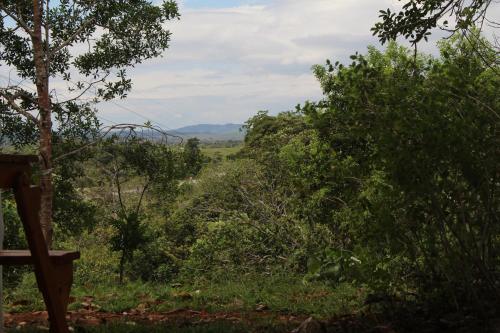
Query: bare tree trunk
{"x": 42, "y": 86}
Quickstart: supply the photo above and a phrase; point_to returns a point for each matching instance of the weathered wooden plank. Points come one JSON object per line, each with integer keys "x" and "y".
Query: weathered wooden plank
{"x": 18, "y": 159}
{"x": 14, "y": 166}
{"x": 24, "y": 257}
{"x": 53, "y": 269}
{"x": 28, "y": 206}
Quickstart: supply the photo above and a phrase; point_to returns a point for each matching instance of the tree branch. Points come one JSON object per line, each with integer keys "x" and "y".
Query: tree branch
{"x": 72, "y": 37}
{"x": 105, "y": 131}
{"x": 90, "y": 85}
{"x": 138, "y": 207}
{"x": 119, "y": 189}
{"x": 18, "y": 20}
{"x": 84, "y": 146}
{"x": 11, "y": 101}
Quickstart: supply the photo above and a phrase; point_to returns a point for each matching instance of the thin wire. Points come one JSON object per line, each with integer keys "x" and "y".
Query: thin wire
{"x": 109, "y": 121}
{"x": 57, "y": 93}
{"x": 163, "y": 126}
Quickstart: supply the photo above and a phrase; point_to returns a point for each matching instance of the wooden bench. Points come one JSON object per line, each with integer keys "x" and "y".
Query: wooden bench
{"x": 23, "y": 257}
{"x": 53, "y": 269}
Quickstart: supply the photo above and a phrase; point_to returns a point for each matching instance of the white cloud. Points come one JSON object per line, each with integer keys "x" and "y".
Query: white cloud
{"x": 224, "y": 64}
{"x": 235, "y": 61}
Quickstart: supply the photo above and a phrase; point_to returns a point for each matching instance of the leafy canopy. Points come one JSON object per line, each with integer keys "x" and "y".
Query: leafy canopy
{"x": 418, "y": 17}
{"x": 89, "y": 45}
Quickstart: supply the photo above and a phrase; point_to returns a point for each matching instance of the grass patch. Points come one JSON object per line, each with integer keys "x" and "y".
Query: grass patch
{"x": 221, "y": 152}
{"x": 278, "y": 293}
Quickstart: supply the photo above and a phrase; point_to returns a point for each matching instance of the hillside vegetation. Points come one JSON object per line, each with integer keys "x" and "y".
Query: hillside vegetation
{"x": 379, "y": 201}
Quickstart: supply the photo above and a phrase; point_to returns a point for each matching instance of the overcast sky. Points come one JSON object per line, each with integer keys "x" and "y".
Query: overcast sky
{"x": 229, "y": 59}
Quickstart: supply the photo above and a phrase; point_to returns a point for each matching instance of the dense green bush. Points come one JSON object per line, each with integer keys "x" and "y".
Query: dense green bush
{"x": 422, "y": 135}
{"x": 154, "y": 261}
{"x": 400, "y": 163}
{"x": 98, "y": 265}
{"x": 390, "y": 184}
{"x": 13, "y": 239}
{"x": 235, "y": 218}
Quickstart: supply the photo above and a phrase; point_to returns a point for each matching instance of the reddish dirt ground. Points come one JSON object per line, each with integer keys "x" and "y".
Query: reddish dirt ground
{"x": 179, "y": 317}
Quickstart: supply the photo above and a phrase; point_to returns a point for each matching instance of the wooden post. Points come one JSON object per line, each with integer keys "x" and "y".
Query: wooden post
{"x": 53, "y": 269}
{"x": 28, "y": 206}
{"x": 2, "y": 235}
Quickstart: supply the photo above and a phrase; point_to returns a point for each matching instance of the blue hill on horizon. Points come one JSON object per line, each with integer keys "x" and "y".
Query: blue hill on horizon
{"x": 210, "y": 128}
{"x": 212, "y": 132}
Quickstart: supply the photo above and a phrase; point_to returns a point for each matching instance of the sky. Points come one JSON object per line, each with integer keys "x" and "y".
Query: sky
{"x": 229, "y": 59}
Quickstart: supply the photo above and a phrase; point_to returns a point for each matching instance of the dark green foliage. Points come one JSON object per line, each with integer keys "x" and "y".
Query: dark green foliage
{"x": 153, "y": 260}
{"x": 14, "y": 238}
{"x": 192, "y": 156}
{"x": 73, "y": 214}
{"x": 134, "y": 168}
{"x": 130, "y": 234}
{"x": 417, "y": 18}
{"x": 267, "y": 134}
{"x": 235, "y": 218}
{"x": 423, "y": 139}
{"x": 399, "y": 165}
{"x": 389, "y": 184}
{"x": 14, "y": 130}
{"x": 129, "y": 33}
{"x": 14, "y": 232}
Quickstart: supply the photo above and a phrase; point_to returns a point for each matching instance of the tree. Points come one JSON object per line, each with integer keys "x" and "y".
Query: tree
{"x": 233, "y": 217}
{"x": 422, "y": 137}
{"x": 193, "y": 157}
{"x": 91, "y": 40}
{"x": 133, "y": 168}
{"x": 418, "y": 18}
{"x": 266, "y": 135}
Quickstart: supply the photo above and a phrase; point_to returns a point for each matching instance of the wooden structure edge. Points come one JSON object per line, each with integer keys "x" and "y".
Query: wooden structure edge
{"x": 53, "y": 269}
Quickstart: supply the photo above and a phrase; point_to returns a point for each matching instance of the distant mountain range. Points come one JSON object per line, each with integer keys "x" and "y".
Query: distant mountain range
{"x": 212, "y": 132}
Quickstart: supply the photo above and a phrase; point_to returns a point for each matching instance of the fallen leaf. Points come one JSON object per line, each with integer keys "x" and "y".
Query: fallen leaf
{"x": 88, "y": 321}
{"x": 141, "y": 308}
{"x": 261, "y": 307}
